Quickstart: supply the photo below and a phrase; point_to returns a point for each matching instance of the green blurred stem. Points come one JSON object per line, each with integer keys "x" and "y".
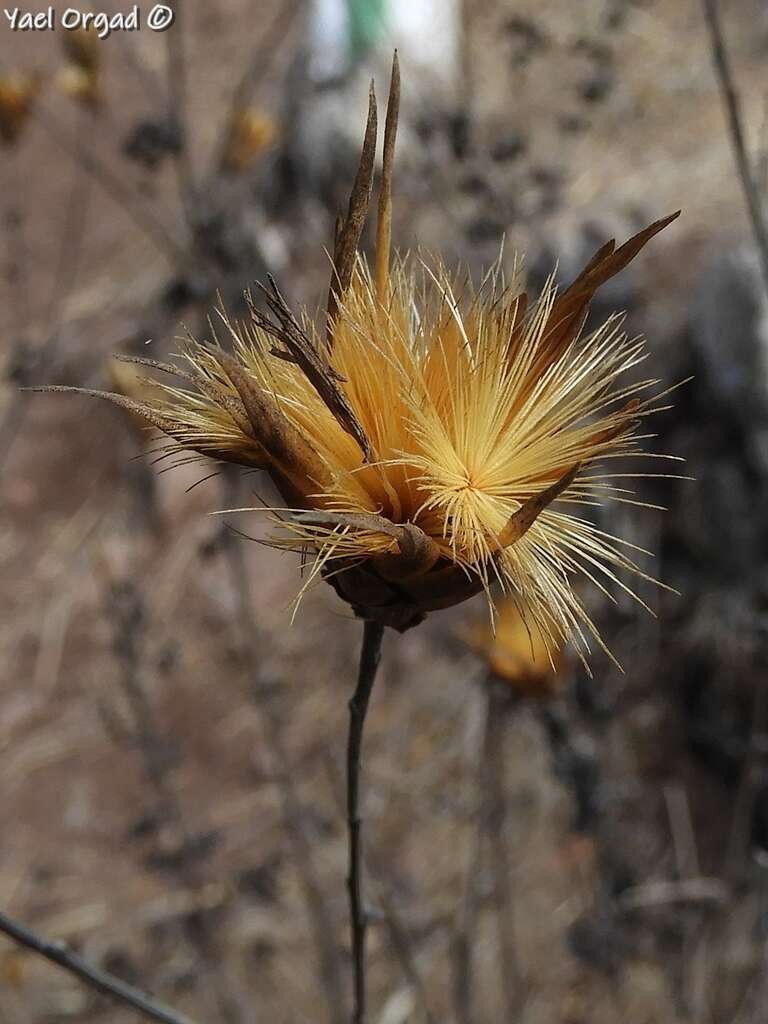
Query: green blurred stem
{"x": 366, "y": 20}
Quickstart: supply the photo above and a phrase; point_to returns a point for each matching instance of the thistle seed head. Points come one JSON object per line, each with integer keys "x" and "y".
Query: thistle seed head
{"x": 430, "y": 438}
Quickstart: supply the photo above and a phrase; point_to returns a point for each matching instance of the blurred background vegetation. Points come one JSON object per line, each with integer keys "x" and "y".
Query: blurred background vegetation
{"x": 572, "y": 849}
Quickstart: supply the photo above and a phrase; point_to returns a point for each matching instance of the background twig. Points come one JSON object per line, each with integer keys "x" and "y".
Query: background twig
{"x": 732, "y": 105}
{"x": 92, "y": 976}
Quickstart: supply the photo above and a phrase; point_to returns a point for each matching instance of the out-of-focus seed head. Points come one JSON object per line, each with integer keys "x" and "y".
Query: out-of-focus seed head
{"x": 251, "y": 132}
{"x": 80, "y": 78}
{"x": 515, "y": 651}
{"x": 82, "y": 47}
{"x": 18, "y": 91}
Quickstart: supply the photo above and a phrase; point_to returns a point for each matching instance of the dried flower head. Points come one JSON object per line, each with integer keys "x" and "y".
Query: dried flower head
{"x": 80, "y": 78}
{"x": 82, "y": 47}
{"x": 18, "y": 91}
{"x": 428, "y": 443}
{"x": 516, "y": 652}
{"x": 251, "y": 131}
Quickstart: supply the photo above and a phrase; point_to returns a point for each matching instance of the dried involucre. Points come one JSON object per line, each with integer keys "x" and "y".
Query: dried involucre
{"x": 428, "y": 439}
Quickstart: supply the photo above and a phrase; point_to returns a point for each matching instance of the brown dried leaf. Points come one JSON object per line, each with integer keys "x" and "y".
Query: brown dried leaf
{"x": 283, "y": 443}
{"x": 384, "y": 226}
{"x": 571, "y": 308}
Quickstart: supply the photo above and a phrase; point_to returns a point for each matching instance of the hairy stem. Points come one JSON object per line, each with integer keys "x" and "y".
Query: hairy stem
{"x": 358, "y": 708}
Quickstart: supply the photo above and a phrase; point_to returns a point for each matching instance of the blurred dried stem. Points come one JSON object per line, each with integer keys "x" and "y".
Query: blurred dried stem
{"x": 57, "y": 953}
{"x": 732, "y": 103}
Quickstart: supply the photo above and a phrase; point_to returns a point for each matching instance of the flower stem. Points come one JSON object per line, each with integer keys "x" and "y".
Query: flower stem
{"x": 358, "y": 708}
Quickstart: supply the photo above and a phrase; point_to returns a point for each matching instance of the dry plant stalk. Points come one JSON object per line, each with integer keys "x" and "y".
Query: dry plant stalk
{"x": 424, "y": 439}
{"x": 101, "y": 981}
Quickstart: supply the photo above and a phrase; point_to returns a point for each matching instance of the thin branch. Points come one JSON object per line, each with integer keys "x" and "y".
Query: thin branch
{"x": 68, "y": 266}
{"x": 292, "y": 813}
{"x": 14, "y": 273}
{"x": 57, "y": 953}
{"x": 176, "y": 67}
{"x": 143, "y": 217}
{"x": 732, "y": 103}
{"x": 146, "y": 76}
{"x": 358, "y": 708}
{"x": 256, "y": 70}
{"x": 128, "y": 615}
{"x": 70, "y": 255}
{"x": 127, "y": 611}
{"x": 399, "y": 934}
